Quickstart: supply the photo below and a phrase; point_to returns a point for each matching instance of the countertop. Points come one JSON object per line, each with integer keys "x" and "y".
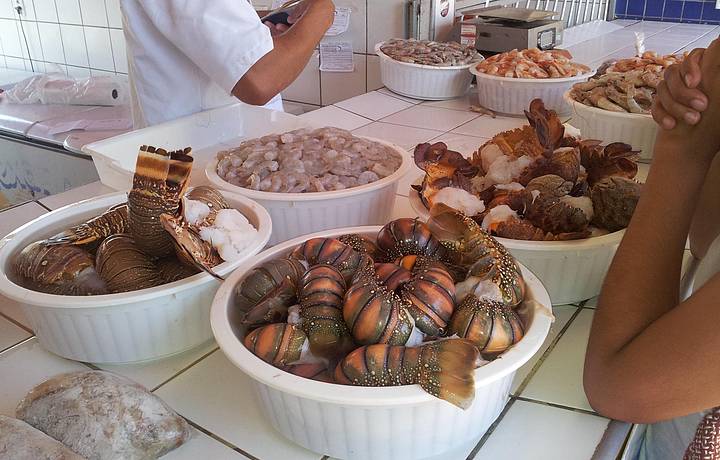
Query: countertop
{"x": 547, "y": 416}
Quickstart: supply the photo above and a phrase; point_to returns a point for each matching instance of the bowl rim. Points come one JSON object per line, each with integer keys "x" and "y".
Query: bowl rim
{"x": 387, "y": 58}
{"x": 24, "y": 295}
{"x": 580, "y": 77}
{"x": 266, "y": 374}
{"x": 399, "y": 173}
{"x": 539, "y": 246}
{"x": 578, "y": 106}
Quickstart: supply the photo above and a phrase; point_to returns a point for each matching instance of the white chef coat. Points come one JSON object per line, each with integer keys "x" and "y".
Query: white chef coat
{"x": 185, "y": 56}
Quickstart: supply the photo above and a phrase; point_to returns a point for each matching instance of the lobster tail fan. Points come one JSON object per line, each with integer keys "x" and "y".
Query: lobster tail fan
{"x": 449, "y": 371}
{"x": 179, "y": 173}
{"x": 152, "y": 163}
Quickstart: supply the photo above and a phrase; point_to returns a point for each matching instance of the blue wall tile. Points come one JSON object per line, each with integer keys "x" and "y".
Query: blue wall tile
{"x": 689, "y": 11}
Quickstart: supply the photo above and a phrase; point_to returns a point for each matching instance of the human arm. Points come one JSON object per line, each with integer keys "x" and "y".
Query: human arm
{"x": 291, "y": 51}
{"x": 651, "y": 357}
{"x": 678, "y": 96}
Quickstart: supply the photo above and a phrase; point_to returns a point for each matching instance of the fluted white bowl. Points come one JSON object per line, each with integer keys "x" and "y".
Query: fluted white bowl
{"x": 361, "y": 423}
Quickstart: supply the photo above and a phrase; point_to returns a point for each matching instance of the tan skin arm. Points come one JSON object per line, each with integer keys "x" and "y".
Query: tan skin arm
{"x": 291, "y": 51}
{"x": 650, "y": 357}
{"x": 705, "y": 226}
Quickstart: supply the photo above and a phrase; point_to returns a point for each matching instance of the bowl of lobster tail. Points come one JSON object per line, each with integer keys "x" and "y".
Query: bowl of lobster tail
{"x": 129, "y": 277}
{"x": 396, "y": 342}
{"x": 558, "y": 202}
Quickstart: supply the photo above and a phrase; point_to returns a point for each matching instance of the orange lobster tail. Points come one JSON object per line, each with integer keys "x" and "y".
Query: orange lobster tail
{"x": 279, "y": 344}
{"x": 491, "y": 326}
{"x": 407, "y": 236}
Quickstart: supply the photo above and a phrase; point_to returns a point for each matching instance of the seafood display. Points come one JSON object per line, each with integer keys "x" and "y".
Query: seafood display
{"x": 103, "y": 416}
{"x": 426, "y": 52}
{"x": 421, "y": 304}
{"x": 537, "y": 182}
{"x": 533, "y": 64}
{"x": 627, "y": 85}
{"x": 307, "y": 160}
{"x": 161, "y": 235}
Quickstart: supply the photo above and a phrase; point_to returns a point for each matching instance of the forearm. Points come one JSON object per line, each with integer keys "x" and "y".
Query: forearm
{"x": 291, "y": 52}
{"x": 706, "y": 222}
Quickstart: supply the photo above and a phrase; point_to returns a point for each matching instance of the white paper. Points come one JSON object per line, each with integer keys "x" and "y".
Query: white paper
{"x": 336, "y": 57}
{"x": 340, "y": 23}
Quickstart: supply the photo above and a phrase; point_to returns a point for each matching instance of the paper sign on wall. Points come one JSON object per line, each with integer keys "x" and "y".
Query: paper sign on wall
{"x": 336, "y": 57}
{"x": 340, "y": 23}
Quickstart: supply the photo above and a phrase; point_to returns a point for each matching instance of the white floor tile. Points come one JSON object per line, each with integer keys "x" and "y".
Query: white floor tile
{"x": 201, "y": 445}
{"x": 562, "y": 313}
{"x": 422, "y": 116}
{"x": 12, "y": 309}
{"x": 219, "y": 397}
{"x": 91, "y": 190}
{"x": 403, "y": 136}
{"x": 154, "y": 373}
{"x": 461, "y": 103}
{"x": 10, "y": 334}
{"x": 486, "y": 126}
{"x": 457, "y": 453}
{"x": 462, "y": 143}
{"x": 559, "y": 379}
{"x": 538, "y": 432}
{"x": 411, "y": 100}
{"x": 25, "y": 366}
{"x": 335, "y": 116}
{"x": 19, "y": 215}
{"x": 374, "y": 105}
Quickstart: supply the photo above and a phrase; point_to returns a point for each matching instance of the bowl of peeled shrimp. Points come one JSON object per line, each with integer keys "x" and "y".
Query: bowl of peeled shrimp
{"x": 559, "y": 203}
{"x": 313, "y": 180}
{"x": 424, "y": 69}
{"x": 507, "y": 82}
{"x": 394, "y": 342}
{"x": 129, "y": 277}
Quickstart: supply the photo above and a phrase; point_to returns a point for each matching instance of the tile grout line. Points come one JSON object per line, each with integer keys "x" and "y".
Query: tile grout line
{"x": 185, "y": 369}
{"x": 3, "y": 350}
{"x": 41, "y": 204}
{"x": 219, "y": 439}
{"x": 22, "y": 342}
{"x": 490, "y": 430}
{"x": 547, "y": 352}
{"x": 17, "y": 323}
{"x": 17, "y": 205}
{"x": 558, "y": 406}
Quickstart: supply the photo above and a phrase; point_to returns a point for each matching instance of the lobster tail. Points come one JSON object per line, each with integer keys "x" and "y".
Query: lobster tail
{"x": 330, "y": 251}
{"x": 278, "y": 344}
{"x": 391, "y": 275}
{"x": 321, "y": 299}
{"x": 407, "y": 236}
{"x": 444, "y": 368}
{"x": 124, "y": 266}
{"x": 91, "y": 233}
{"x": 189, "y": 247}
{"x": 430, "y": 295}
{"x": 491, "y": 326}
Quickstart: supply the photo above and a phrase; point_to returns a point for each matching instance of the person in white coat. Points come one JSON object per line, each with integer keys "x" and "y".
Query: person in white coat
{"x": 186, "y": 56}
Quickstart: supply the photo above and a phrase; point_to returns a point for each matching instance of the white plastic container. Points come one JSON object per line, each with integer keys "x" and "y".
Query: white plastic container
{"x": 206, "y": 132}
{"x": 295, "y": 214}
{"x": 423, "y": 81}
{"x": 361, "y": 423}
{"x": 636, "y": 129}
{"x": 127, "y": 327}
{"x": 571, "y": 271}
{"x": 512, "y": 96}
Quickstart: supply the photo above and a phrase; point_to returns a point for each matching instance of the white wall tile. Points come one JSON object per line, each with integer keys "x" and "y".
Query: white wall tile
{"x": 45, "y": 10}
{"x": 33, "y": 40}
{"x": 51, "y": 41}
{"x": 6, "y": 10}
{"x": 99, "y": 49}
{"x": 79, "y": 72}
{"x": 74, "y": 43}
{"x": 373, "y": 73}
{"x": 28, "y": 11}
{"x": 10, "y": 38}
{"x": 117, "y": 38}
{"x": 15, "y": 63}
{"x": 387, "y": 20}
{"x": 93, "y": 13}
{"x": 357, "y": 30}
{"x": 338, "y": 86}
{"x": 306, "y": 88}
{"x": 113, "y": 13}
{"x": 69, "y": 11}
{"x": 96, "y": 72}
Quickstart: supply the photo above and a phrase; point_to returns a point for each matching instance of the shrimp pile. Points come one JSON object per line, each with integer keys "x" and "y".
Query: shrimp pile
{"x": 307, "y": 160}
{"x": 627, "y": 85}
{"x": 535, "y": 182}
{"x": 417, "y": 304}
{"x": 532, "y": 63}
{"x": 427, "y": 52}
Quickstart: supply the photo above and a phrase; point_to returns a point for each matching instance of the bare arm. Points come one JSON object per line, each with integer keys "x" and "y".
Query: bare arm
{"x": 650, "y": 357}
{"x": 292, "y": 50}
{"x": 706, "y": 223}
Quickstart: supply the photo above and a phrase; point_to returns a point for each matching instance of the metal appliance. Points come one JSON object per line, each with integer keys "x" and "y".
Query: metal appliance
{"x": 430, "y": 19}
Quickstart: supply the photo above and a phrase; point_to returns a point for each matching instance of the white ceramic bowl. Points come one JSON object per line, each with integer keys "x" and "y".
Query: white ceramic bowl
{"x": 423, "y": 81}
{"x": 512, "y": 96}
{"x": 295, "y": 214}
{"x": 571, "y": 271}
{"x": 360, "y": 423}
{"x": 636, "y": 129}
{"x": 126, "y": 327}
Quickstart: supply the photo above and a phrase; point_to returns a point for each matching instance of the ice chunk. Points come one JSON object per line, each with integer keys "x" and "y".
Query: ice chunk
{"x": 498, "y": 214}
{"x": 459, "y": 199}
{"x": 230, "y": 234}
{"x": 195, "y": 211}
{"x": 582, "y": 202}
